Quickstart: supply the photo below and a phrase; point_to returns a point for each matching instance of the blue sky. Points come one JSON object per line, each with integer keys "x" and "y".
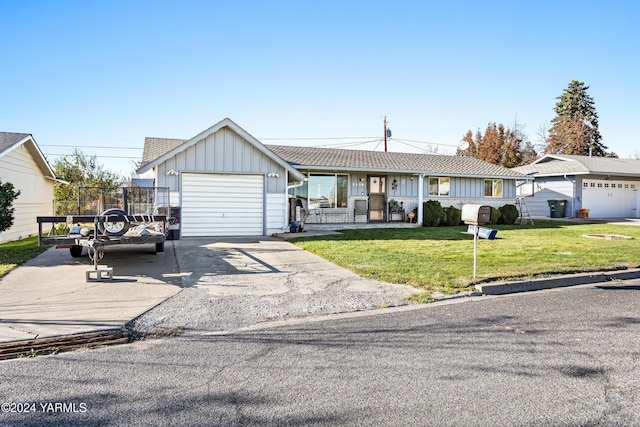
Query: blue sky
{"x": 102, "y": 75}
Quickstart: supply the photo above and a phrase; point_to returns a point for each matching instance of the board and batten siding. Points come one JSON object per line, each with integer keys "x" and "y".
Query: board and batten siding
{"x": 473, "y": 188}
{"x": 228, "y": 157}
{"x": 277, "y": 210}
{"x": 36, "y": 192}
{"x": 222, "y": 152}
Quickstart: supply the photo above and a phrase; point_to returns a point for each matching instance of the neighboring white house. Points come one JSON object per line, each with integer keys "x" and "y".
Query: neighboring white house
{"x": 227, "y": 183}
{"x": 607, "y": 187}
{"x": 23, "y": 164}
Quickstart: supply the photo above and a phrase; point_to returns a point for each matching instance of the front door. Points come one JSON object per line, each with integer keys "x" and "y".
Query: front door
{"x": 377, "y": 198}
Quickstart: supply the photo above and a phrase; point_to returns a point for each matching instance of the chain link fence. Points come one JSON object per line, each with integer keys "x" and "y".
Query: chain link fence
{"x": 132, "y": 200}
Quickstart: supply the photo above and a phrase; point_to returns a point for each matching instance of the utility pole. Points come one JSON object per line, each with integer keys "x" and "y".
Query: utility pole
{"x": 385, "y": 134}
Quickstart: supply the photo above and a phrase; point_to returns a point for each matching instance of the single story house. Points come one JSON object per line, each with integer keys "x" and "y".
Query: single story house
{"x": 607, "y": 187}
{"x": 23, "y": 164}
{"x": 226, "y": 182}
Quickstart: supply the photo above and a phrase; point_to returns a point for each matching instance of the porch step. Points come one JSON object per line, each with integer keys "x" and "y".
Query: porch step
{"x": 353, "y": 226}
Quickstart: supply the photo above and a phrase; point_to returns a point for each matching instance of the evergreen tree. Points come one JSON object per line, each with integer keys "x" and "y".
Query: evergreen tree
{"x": 574, "y": 130}
{"x": 8, "y": 194}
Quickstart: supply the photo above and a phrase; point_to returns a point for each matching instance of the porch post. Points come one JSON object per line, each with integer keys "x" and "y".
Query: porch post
{"x": 420, "y": 197}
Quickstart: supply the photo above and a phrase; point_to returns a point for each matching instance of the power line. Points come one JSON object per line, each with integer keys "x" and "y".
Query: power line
{"x": 348, "y": 144}
{"x": 99, "y": 157}
{"x": 311, "y": 139}
{"x": 424, "y": 142}
{"x": 89, "y": 146}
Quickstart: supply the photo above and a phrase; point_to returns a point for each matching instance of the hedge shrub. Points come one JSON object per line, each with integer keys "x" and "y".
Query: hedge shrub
{"x": 432, "y": 214}
{"x": 508, "y": 214}
{"x": 495, "y": 215}
{"x": 454, "y": 216}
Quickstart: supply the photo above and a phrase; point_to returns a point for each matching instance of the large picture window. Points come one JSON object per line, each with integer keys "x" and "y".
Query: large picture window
{"x": 439, "y": 186}
{"x": 325, "y": 191}
{"x": 492, "y": 188}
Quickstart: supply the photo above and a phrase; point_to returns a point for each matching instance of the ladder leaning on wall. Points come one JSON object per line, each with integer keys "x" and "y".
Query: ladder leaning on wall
{"x": 525, "y": 216}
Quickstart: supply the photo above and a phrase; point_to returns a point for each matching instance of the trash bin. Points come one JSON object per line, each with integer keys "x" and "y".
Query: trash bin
{"x": 174, "y": 223}
{"x": 557, "y": 208}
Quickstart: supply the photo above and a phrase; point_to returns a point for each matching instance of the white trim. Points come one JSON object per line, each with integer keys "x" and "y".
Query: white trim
{"x": 420, "y": 198}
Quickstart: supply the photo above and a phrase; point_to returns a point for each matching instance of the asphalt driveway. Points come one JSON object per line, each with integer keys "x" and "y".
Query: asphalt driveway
{"x": 233, "y": 283}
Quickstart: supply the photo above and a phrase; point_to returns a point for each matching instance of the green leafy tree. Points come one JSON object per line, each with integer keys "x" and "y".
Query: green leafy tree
{"x": 8, "y": 194}
{"x": 499, "y": 145}
{"x": 574, "y": 130}
{"x": 79, "y": 170}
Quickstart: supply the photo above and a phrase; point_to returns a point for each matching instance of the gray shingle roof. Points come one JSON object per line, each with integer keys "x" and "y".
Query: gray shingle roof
{"x": 156, "y": 147}
{"x": 9, "y": 139}
{"x": 561, "y": 164}
{"x": 341, "y": 159}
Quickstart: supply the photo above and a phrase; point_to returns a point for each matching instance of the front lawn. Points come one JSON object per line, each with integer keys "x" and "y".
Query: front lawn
{"x": 441, "y": 259}
{"x": 15, "y": 253}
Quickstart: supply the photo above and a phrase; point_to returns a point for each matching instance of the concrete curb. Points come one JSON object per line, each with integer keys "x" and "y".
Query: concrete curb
{"x": 557, "y": 282}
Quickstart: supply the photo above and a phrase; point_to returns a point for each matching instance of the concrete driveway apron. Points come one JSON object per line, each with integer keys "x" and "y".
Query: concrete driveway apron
{"x": 49, "y": 296}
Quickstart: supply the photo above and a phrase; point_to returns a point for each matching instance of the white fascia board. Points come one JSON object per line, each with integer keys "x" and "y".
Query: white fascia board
{"x": 552, "y": 156}
{"x": 356, "y": 170}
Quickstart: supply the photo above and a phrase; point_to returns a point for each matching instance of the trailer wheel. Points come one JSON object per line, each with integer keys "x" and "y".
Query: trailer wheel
{"x": 113, "y": 228}
{"x": 159, "y": 247}
{"x": 76, "y": 251}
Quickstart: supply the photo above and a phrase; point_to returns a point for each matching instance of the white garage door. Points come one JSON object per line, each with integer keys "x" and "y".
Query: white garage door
{"x": 609, "y": 199}
{"x": 222, "y": 205}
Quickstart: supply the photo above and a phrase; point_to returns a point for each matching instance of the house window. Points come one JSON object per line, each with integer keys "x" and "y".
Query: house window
{"x": 492, "y": 188}
{"x": 585, "y": 184}
{"x": 326, "y": 191}
{"x": 439, "y": 186}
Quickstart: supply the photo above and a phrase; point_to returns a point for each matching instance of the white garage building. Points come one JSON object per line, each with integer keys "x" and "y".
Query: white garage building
{"x": 225, "y": 181}
{"x": 607, "y": 187}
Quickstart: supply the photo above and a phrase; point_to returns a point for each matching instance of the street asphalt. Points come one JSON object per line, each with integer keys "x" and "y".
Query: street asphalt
{"x": 561, "y": 357}
{"x": 49, "y": 295}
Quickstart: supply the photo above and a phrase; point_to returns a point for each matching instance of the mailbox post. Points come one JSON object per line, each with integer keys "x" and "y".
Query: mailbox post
{"x": 476, "y": 215}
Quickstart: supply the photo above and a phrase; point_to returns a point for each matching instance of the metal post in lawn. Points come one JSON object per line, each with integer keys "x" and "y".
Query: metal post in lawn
{"x": 475, "y": 250}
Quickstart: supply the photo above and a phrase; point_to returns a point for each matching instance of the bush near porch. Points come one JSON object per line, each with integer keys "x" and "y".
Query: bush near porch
{"x": 441, "y": 258}
{"x": 434, "y": 215}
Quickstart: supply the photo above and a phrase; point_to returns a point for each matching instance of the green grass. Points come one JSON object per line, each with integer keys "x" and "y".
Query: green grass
{"x": 441, "y": 259}
{"x": 15, "y": 253}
